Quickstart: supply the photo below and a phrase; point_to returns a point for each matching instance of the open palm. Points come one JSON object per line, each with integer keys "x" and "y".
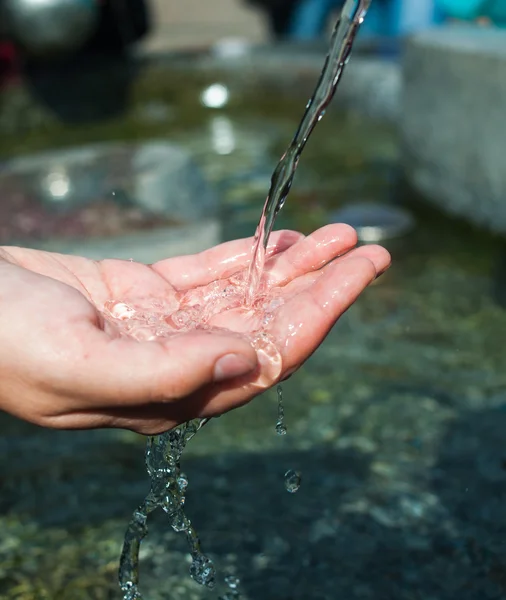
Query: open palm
{"x": 63, "y": 364}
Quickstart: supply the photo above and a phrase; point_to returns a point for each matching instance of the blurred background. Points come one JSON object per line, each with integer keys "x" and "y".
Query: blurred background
{"x": 144, "y": 129}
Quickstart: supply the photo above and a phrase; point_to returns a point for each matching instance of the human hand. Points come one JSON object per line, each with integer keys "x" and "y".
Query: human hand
{"x": 63, "y": 364}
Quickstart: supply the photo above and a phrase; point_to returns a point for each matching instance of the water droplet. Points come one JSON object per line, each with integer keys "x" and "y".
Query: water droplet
{"x": 281, "y": 429}
{"x": 280, "y": 425}
{"x": 228, "y": 291}
{"x": 232, "y": 581}
{"x": 143, "y": 334}
{"x": 162, "y": 331}
{"x": 293, "y": 480}
{"x": 275, "y": 303}
{"x": 269, "y": 356}
{"x": 267, "y": 318}
{"x": 182, "y": 482}
{"x": 179, "y": 521}
{"x": 119, "y": 310}
{"x": 132, "y": 594}
{"x": 202, "y": 571}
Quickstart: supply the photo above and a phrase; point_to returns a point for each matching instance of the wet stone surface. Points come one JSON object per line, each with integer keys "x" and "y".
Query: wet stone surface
{"x": 451, "y": 120}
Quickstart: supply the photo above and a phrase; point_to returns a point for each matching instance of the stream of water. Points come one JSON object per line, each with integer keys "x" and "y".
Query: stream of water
{"x": 163, "y": 452}
{"x": 345, "y": 31}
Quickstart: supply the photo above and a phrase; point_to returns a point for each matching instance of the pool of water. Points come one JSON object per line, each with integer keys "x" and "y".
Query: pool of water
{"x": 396, "y": 424}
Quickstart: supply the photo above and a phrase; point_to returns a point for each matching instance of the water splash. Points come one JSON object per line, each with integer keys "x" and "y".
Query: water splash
{"x": 232, "y": 582}
{"x": 167, "y": 492}
{"x": 151, "y": 319}
{"x": 280, "y": 425}
{"x": 293, "y": 480}
{"x": 345, "y": 31}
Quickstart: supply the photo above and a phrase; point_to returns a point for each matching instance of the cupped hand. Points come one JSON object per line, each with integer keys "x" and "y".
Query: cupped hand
{"x": 63, "y": 365}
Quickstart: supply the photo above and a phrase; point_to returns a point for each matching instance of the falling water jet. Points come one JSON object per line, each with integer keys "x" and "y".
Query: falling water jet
{"x": 345, "y": 31}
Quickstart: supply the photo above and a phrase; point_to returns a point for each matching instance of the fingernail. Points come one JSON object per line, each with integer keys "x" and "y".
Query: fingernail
{"x": 232, "y": 365}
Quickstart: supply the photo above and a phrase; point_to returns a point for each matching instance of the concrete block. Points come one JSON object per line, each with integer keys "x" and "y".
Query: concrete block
{"x": 453, "y": 121}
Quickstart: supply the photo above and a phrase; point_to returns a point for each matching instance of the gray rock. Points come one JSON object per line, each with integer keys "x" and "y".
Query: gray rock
{"x": 168, "y": 179}
{"x": 453, "y": 123}
{"x": 159, "y": 177}
{"x": 370, "y": 85}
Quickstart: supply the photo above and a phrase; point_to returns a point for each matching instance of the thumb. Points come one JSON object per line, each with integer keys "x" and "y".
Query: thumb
{"x": 125, "y": 372}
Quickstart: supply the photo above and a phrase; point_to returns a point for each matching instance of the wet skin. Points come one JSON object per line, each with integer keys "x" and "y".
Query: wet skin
{"x": 63, "y": 365}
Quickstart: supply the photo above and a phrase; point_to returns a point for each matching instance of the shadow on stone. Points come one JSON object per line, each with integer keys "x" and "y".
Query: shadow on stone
{"x": 470, "y": 482}
{"x": 341, "y": 535}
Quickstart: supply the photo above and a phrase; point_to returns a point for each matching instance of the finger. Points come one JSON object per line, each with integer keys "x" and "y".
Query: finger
{"x": 109, "y": 372}
{"x": 379, "y": 257}
{"x": 306, "y": 319}
{"x": 185, "y": 272}
{"x": 310, "y": 253}
{"x": 148, "y": 420}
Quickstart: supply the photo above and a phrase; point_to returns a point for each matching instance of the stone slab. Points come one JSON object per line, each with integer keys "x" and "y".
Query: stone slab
{"x": 453, "y": 121}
